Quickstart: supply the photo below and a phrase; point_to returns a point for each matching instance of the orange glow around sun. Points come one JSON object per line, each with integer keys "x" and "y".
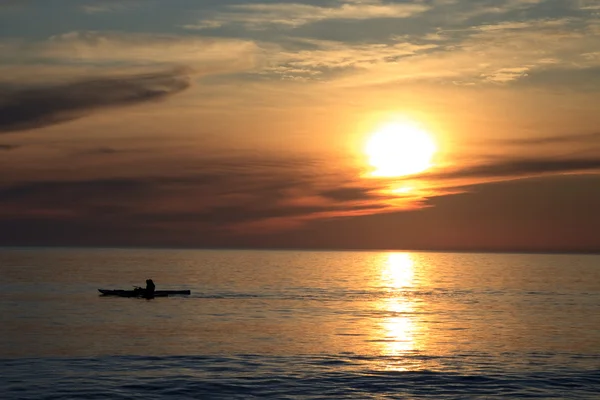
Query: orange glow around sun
{"x": 399, "y": 149}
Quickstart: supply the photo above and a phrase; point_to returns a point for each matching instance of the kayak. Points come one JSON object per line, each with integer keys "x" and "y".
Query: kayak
{"x": 134, "y": 293}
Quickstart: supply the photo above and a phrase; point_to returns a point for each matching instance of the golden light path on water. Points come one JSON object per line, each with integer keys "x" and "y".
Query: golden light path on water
{"x": 399, "y": 330}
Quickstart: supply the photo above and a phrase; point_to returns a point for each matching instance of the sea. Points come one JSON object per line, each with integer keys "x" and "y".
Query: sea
{"x": 299, "y": 325}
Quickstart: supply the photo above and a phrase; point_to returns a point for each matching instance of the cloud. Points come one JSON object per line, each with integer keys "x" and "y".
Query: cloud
{"x": 238, "y": 193}
{"x": 101, "y": 151}
{"x": 351, "y": 194}
{"x": 293, "y": 15}
{"x": 218, "y": 199}
{"x": 260, "y": 15}
{"x": 8, "y": 147}
{"x": 109, "y": 47}
{"x": 591, "y": 5}
{"x": 504, "y": 75}
{"x": 31, "y": 108}
{"x": 326, "y": 55}
{"x": 489, "y": 53}
{"x": 108, "y": 6}
{"x": 497, "y": 7}
{"x": 143, "y": 48}
{"x": 554, "y": 213}
{"x": 100, "y": 8}
{"x": 104, "y": 151}
{"x": 84, "y": 53}
{"x": 519, "y": 167}
{"x": 583, "y": 138}
{"x": 506, "y": 51}
{"x": 222, "y": 193}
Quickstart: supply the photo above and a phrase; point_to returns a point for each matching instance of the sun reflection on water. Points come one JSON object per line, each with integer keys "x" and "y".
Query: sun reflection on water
{"x": 398, "y": 331}
{"x": 399, "y": 334}
{"x": 398, "y": 270}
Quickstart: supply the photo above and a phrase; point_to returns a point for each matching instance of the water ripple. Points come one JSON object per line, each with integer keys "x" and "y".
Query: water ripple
{"x": 254, "y": 376}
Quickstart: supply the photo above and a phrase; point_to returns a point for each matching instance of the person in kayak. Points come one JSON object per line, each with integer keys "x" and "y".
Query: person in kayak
{"x": 149, "y": 288}
{"x": 147, "y": 292}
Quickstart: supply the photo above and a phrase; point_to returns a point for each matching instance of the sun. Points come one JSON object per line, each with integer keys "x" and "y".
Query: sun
{"x": 399, "y": 149}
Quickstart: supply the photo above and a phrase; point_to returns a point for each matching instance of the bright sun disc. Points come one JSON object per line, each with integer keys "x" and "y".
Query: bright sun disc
{"x": 400, "y": 149}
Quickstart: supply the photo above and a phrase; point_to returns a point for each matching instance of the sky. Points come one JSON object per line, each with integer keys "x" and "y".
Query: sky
{"x": 192, "y": 123}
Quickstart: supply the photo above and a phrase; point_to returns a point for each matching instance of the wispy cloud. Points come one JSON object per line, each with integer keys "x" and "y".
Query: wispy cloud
{"x": 583, "y": 138}
{"x": 31, "y": 108}
{"x": 496, "y": 50}
{"x": 8, "y": 147}
{"x": 324, "y": 56}
{"x": 258, "y": 16}
{"x": 351, "y": 194}
{"x": 497, "y": 53}
{"x": 591, "y": 5}
{"x": 515, "y": 49}
{"x": 247, "y": 193}
{"x": 511, "y": 168}
{"x": 491, "y": 52}
{"x": 293, "y": 15}
{"x": 130, "y": 48}
{"x": 107, "y": 6}
{"x": 497, "y": 7}
{"x": 79, "y": 55}
{"x": 225, "y": 193}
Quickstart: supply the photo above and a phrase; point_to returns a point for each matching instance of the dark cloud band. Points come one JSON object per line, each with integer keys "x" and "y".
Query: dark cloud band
{"x": 584, "y": 138}
{"x": 520, "y": 168}
{"x": 32, "y": 108}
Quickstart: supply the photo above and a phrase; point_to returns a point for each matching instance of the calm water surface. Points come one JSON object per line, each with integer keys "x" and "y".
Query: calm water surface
{"x": 299, "y": 325}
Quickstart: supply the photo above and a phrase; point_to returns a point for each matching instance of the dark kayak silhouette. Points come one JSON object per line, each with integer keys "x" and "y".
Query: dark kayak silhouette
{"x": 140, "y": 292}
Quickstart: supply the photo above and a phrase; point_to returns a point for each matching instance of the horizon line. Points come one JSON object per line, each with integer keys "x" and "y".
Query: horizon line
{"x": 308, "y": 249}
